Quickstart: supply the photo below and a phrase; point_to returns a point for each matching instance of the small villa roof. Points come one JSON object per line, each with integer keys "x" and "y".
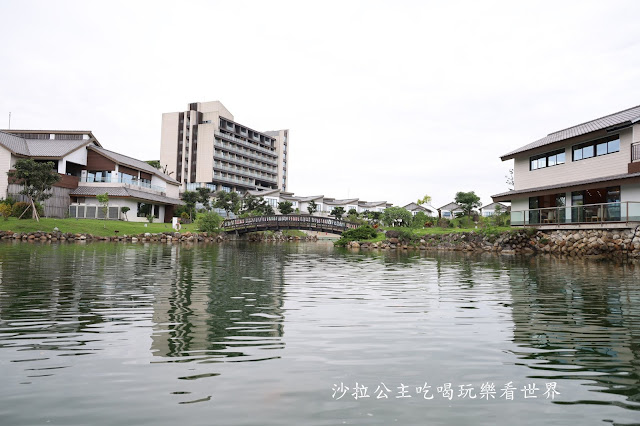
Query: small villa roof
{"x": 450, "y": 207}
{"x": 494, "y": 204}
{"x": 416, "y": 206}
{"x": 132, "y": 162}
{"x": 311, "y": 198}
{"x": 262, "y": 192}
{"x": 124, "y": 192}
{"x": 341, "y": 202}
{"x": 372, "y": 203}
{"x": 615, "y": 120}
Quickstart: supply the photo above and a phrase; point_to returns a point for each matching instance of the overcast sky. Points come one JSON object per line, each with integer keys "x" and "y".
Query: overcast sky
{"x": 385, "y": 100}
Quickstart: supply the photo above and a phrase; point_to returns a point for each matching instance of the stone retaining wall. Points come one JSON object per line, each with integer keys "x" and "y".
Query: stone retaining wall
{"x": 608, "y": 243}
{"x": 146, "y": 237}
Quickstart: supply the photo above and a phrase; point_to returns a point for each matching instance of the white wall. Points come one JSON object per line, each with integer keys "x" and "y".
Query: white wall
{"x": 79, "y": 156}
{"x": 5, "y": 164}
{"x": 630, "y": 192}
{"x": 572, "y": 171}
{"x": 132, "y": 214}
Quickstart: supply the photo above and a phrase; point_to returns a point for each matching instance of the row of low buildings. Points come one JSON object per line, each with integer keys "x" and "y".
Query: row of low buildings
{"x": 586, "y": 174}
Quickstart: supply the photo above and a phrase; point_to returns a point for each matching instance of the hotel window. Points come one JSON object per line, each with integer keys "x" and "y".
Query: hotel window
{"x": 548, "y": 159}
{"x": 596, "y": 148}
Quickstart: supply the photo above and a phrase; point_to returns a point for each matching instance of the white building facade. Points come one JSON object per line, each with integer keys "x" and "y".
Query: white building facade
{"x": 586, "y": 174}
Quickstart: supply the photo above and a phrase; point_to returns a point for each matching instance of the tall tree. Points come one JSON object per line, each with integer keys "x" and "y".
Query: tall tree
{"x": 251, "y": 203}
{"x": 285, "y": 207}
{"x": 393, "y": 216}
{"x": 154, "y": 163}
{"x": 510, "y": 181}
{"x": 190, "y": 199}
{"x": 424, "y": 200}
{"x": 230, "y": 202}
{"x": 204, "y": 194}
{"x": 37, "y": 178}
{"x": 337, "y": 212}
{"x": 312, "y": 207}
{"x": 468, "y": 201}
{"x": 103, "y": 199}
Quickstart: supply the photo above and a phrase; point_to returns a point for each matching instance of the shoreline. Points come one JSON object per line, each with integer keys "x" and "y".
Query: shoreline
{"x": 600, "y": 243}
{"x": 604, "y": 244}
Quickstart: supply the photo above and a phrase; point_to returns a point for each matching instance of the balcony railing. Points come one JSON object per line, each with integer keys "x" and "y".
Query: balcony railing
{"x": 132, "y": 183}
{"x": 231, "y": 179}
{"x": 635, "y": 152}
{"x": 238, "y": 170}
{"x": 246, "y": 144}
{"x": 628, "y": 211}
{"x": 244, "y": 151}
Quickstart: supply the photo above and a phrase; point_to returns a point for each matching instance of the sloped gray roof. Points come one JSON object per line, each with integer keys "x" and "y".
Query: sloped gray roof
{"x": 311, "y": 198}
{"x": 345, "y": 201}
{"x": 568, "y": 184}
{"x": 627, "y": 116}
{"x": 121, "y": 191}
{"x": 491, "y": 204}
{"x": 43, "y": 148}
{"x": 451, "y": 206}
{"x": 416, "y": 206}
{"x": 13, "y": 143}
{"x": 262, "y": 192}
{"x": 132, "y": 162}
{"x": 371, "y": 203}
{"x": 53, "y": 149}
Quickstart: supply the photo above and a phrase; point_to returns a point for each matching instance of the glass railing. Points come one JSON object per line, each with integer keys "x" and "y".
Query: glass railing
{"x": 139, "y": 183}
{"x": 628, "y": 211}
{"x": 98, "y": 179}
{"x": 134, "y": 183}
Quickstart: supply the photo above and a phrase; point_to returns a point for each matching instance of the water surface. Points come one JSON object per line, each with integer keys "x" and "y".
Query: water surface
{"x": 272, "y": 334}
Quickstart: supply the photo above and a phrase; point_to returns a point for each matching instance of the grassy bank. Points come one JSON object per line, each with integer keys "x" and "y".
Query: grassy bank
{"x": 102, "y": 228}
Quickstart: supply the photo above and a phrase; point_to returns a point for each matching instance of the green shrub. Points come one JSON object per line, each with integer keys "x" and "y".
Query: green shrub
{"x": 407, "y": 236}
{"x": 209, "y": 222}
{"x": 361, "y": 233}
{"x": 9, "y": 200}
{"x": 5, "y": 210}
{"x": 150, "y": 218}
{"x": 443, "y": 222}
{"x": 18, "y": 208}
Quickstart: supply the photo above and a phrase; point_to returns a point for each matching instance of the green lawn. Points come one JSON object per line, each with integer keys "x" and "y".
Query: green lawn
{"x": 103, "y": 228}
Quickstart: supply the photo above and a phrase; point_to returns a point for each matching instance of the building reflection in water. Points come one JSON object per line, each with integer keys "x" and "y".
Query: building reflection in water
{"x": 581, "y": 320}
{"x": 220, "y": 303}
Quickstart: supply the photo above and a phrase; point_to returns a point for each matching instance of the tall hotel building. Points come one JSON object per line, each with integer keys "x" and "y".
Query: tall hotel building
{"x": 205, "y": 147}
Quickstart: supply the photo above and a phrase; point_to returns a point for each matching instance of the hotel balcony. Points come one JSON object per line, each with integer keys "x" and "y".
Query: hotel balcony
{"x": 247, "y": 144}
{"x": 585, "y": 216}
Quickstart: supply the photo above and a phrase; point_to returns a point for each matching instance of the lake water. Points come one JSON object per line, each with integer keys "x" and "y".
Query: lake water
{"x": 274, "y": 334}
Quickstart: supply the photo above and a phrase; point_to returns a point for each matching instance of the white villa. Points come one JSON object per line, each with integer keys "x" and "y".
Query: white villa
{"x": 449, "y": 211}
{"x": 586, "y": 175}
{"x": 490, "y": 209}
{"x": 88, "y": 170}
{"x": 427, "y": 209}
